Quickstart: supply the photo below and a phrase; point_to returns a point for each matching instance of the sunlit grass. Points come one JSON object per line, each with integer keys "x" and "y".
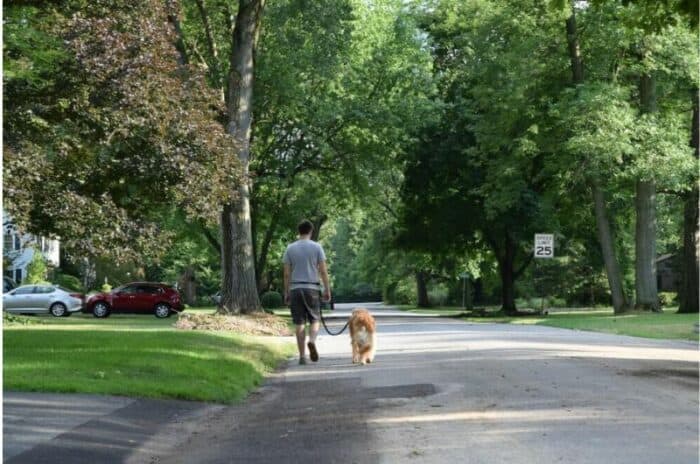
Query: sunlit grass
{"x": 136, "y": 356}
{"x": 666, "y": 325}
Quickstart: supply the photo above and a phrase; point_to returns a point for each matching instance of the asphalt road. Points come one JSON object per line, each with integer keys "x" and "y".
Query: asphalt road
{"x": 440, "y": 391}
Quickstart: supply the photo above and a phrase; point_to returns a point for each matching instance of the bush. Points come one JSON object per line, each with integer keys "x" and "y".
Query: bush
{"x": 271, "y": 300}
{"x": 668, "y": 298}
{"x": 438, "y": 296}
{"x": 68, "y": 281}
{"x": 402, "y": 292}
{"x": 37, "y": 269}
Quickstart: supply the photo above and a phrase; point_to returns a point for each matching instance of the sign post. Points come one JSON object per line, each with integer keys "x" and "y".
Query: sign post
{"x": 544, "y": 249}
{"x": 466, "y": 293}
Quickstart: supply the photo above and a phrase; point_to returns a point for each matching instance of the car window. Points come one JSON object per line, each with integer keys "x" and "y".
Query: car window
{"x": 44, "y": 289}
{"x": 149, "y": 289}
{"x": 129, "y": 289}
{"x": 25, "y": 290}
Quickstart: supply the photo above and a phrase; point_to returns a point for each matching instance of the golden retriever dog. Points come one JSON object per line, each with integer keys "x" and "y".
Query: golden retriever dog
{"x": 362, "y": 336}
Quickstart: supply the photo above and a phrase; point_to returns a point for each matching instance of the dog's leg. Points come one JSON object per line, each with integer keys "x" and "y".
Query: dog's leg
{"x": 373, "y": 348}
{"x": 355, "y": 352}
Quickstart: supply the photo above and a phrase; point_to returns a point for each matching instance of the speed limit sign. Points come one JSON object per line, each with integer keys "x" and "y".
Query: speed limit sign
{"x": 544, "y": 245}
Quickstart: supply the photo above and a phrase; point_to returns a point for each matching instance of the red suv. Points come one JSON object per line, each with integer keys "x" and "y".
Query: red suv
{"x": 137, "y": 297}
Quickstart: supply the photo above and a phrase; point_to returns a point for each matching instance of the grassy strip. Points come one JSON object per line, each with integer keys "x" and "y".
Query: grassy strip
{"x": 666, "y": 325}
{"x": 648, "y": 325}
{"x": 136, "y": 356}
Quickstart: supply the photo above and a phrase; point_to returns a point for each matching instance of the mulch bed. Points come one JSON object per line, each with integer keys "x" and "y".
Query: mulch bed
{"x": 249, "y": 324}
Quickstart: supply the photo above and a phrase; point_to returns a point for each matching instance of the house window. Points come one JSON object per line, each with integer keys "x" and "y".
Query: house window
{"x": 18, "y": 275}
{"x": 8, "y": 243}
{"x": 18, "y": 242}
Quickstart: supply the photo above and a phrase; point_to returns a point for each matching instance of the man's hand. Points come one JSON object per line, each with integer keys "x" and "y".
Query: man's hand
{"x": 327, "y": 294}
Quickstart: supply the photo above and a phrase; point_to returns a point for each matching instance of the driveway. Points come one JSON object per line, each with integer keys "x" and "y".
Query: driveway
{"x": 440, "y": 391}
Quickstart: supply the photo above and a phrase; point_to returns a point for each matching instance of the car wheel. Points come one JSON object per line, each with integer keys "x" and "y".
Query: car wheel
{"x": 100, "y": 309}
{"x": 162, "y": 310}
{"x": 58, "y": 310}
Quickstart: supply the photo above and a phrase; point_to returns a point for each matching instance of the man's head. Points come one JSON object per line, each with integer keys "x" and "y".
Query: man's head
{"x": 305, "y": 227}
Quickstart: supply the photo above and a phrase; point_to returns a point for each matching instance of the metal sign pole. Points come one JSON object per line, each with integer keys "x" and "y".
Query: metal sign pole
{"x": 544, "y": 249}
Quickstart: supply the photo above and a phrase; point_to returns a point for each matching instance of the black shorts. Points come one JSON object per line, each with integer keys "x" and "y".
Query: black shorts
{"x": 305, "y": 304}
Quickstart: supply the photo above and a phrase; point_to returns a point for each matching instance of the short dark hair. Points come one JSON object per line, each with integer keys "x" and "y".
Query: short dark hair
{"x": 305, "y": 227}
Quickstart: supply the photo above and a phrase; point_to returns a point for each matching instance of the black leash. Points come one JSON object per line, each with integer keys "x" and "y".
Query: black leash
{"x": 323, "y": 320}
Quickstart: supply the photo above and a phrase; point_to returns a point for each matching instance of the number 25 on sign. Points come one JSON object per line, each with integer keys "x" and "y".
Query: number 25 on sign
{"x": 544, "y": 245}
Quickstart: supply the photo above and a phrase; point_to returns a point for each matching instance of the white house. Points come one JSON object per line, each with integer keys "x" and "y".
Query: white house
{"x": 18, "y": 250}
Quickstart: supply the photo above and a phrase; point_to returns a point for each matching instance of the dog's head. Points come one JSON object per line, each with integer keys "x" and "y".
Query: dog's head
{"x": 362, "y": 317}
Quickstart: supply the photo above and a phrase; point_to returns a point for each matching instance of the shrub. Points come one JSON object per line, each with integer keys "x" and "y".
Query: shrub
{"x": 402, "y": 292}
{"x": 68, "y": 281}
{"x": 271, "y": 300}
{"x": 37, "y": 269}
{"x": 106, "y": 288}
{"x": 437, "y": 296}
{"x": 668, "y": 298}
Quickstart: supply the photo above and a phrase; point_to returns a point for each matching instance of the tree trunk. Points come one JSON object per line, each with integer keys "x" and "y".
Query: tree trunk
{"x": 188, "y": 286}
{"x": 645, "y": 248}
{"x": 318, "y": 223}
{"x": 506, "y": 267}
{"x": 691, "y": 230}
{"x": 607, "y": 245}
{"x": 239, "y": 292}
{"x": 605, "y": 237}
{"x": 265, "y": 248}
{"x": 422, "y": 289}
{"x": 647, "y": 297}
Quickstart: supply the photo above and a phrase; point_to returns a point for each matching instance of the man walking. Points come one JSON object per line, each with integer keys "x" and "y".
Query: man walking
{"x": 304, "y": 262}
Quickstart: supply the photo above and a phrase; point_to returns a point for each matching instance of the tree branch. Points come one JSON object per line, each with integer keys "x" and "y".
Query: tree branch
{"x": 210, "y": 237}
{"x": 524, "y": 266}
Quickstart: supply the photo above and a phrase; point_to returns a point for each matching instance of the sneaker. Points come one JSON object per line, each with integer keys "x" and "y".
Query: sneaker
{"x": 302, "y": 361}
{"x": 312, "y": 351}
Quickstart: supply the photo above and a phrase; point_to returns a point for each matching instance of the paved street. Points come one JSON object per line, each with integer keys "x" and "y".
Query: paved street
{"x": 440, "y": 391}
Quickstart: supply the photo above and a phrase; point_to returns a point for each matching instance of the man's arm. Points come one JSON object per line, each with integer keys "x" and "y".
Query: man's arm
{"x": 287, "y": 275}
{"x": 323, "y": 271}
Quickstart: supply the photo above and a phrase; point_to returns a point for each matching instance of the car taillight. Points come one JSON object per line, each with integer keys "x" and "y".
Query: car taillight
{"x": 77, "y": 295}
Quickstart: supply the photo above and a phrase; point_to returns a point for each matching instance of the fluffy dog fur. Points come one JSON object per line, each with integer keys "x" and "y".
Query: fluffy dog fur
{"x": 362, "y": 336}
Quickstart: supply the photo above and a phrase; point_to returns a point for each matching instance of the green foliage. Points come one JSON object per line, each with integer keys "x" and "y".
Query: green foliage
{"x": 103, "y": 120}
{"x": 68, "y": 281}
{"x": 667, "y": 299}
{"x": 271, "y": 300}
{"x": 401, "y": 292}
{"x": 9, "y": 319}
{"x": 438, "y": 295}
{"x": 37, "y": 270}
{"x": 106, "y": 288}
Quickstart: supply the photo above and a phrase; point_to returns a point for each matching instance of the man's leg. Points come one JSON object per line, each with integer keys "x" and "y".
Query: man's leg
{"x": 301, "y": 339}
{"x": 313, "y": 331}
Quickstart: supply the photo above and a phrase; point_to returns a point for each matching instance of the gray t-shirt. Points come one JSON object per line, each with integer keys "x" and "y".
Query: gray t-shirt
{"x": 304, "y": 256}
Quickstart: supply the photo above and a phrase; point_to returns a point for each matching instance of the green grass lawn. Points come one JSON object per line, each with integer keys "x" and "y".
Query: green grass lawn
{"x": 136, "y": 356}
{"x": 666, "y": 325}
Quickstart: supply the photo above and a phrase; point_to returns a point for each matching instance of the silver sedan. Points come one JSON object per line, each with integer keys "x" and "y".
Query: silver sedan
{"x": 42, "y": 298}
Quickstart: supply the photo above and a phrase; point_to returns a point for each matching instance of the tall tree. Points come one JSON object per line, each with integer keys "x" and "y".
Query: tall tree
{"x": 239, "y": 289}
{"x": 605, "y": 235}
{"x": 95, "y": 122}
{"x": 691, "y": 228}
